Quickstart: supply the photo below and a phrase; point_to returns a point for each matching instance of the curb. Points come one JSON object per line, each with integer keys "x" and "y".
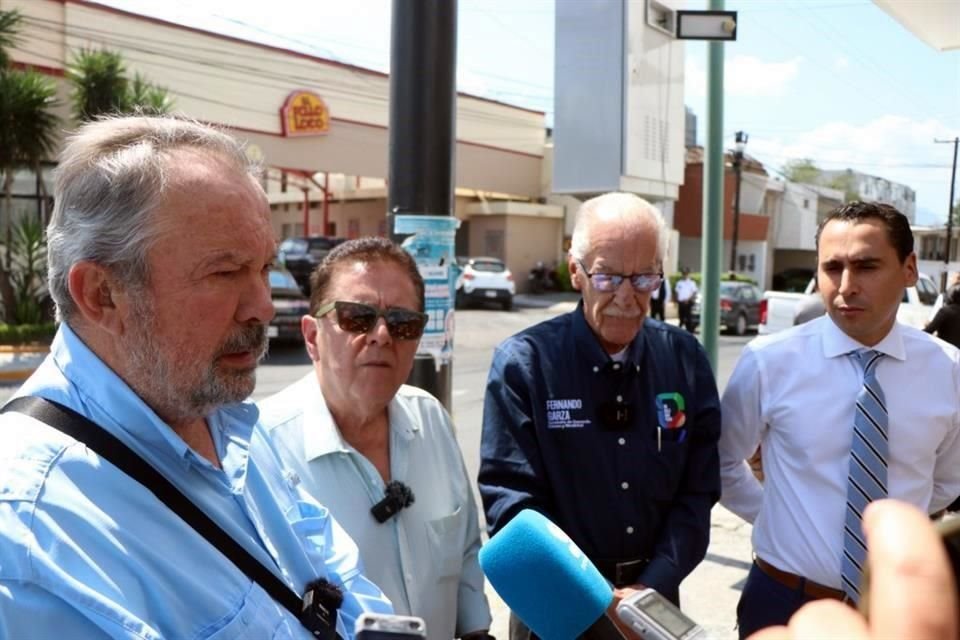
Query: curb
{"x": 15, "y": 375}
{"x": 17, "y": 363}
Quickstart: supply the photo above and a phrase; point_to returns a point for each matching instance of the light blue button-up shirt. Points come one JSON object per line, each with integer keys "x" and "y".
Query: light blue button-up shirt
{"x": 87, "y": 552}
{"x": 425, "y": 557}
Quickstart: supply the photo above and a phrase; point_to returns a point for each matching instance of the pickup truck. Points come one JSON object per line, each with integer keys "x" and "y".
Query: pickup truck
{"x": 778, "y": 308}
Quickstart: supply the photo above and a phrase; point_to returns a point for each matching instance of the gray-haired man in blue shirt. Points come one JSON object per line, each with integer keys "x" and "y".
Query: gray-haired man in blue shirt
{"x": 159, "y": 249}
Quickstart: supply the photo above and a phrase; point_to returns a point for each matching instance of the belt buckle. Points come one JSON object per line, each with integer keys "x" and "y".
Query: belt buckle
{"x": 620, "y": 572}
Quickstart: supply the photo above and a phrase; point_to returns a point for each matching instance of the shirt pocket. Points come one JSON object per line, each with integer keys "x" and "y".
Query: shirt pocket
{"x": 257, "y": 617}
{"x": 445, "y": 536}
{"x": 665, "y": 467}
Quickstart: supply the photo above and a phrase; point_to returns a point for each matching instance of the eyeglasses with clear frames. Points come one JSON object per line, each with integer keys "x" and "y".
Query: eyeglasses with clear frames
{"x": 610, "y": 282}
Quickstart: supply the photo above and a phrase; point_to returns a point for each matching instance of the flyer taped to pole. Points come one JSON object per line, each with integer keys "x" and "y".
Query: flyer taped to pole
{"x": 431, "y": 244}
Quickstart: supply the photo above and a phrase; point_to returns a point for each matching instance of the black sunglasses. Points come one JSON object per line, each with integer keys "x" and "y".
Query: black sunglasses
{"x": 356, "y": 317}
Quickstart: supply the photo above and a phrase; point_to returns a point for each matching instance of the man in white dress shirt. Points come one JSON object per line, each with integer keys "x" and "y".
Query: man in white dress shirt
{"x": 685, "y": 289}
{"x": 355, "y": 434}
{"x": 801, "y": 392}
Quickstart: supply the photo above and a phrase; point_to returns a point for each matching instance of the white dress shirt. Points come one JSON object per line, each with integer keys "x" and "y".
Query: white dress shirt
{"x": 686, "y": 289}
{"x": 795, "y": 392}
{"x": 425, "y": 557}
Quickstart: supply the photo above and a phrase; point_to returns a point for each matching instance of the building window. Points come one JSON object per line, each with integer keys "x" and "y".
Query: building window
{"x": 806, "y": 203}
{"x": 283, "y": 181}
{"x": 752, "y": 262}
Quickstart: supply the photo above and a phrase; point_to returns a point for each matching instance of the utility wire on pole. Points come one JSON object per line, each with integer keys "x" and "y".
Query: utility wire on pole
{"x": 953, "y": 181}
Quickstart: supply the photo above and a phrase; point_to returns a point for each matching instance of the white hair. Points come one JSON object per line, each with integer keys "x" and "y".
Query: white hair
{"x": 615, "y": 205}
{"x": 110, "y": 179}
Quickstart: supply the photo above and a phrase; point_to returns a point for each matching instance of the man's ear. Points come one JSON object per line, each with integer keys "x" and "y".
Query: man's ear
{"x": 573, "y": 268}
{"x": 309, "y": 329}
{"x": 910, "y": 271}
{"x": 97, "y": 297}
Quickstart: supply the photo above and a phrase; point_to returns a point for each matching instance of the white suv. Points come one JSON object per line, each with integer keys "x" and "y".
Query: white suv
{"x": 484, "y": 279}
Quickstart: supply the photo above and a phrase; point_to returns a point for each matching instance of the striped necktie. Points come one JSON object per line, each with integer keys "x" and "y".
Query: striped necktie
{"x": 869, "y": 452}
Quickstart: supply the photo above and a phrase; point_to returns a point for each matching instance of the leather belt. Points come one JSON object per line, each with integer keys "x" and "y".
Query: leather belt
{"x": 623, "y": 573}
{"x": 797, "y": 583}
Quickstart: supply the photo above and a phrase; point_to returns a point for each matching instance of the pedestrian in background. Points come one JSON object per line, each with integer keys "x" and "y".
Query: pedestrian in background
{"x": 849, "y": 408}
{"x": 604, "y": 421}
{"x": 686, "y": 289}
{"x": 659, "y": 299}
{"x": 946, "y": 323}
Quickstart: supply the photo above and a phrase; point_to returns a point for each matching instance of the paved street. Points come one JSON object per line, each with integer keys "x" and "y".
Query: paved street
{"x": 709, "y": 595}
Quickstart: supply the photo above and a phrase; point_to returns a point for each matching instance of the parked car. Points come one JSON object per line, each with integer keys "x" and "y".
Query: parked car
{"x": 780, "y": 307}
{"x": 739, "y": 307}
{"x": 484, "y": 279}
{"x": 289, "y": 305}
{"x": 300, "y": 256}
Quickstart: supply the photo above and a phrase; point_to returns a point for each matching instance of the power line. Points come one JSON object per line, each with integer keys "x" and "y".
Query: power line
{"x": 244, "y": 72}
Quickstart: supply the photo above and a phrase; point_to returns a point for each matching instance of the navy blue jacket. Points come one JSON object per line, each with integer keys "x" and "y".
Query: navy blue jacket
{"x": 571, "y": 433}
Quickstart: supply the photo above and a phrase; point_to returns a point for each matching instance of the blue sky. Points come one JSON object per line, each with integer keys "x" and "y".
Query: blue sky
{"x": 837, "y": 81}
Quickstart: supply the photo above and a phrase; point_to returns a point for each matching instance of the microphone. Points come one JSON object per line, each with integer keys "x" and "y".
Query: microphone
{"x": 397, "y": 496}
{"x": 547, "y": 581}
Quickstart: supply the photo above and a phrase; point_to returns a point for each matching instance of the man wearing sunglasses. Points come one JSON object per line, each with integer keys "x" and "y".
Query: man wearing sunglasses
{"x": 381, "y": 455}
{"x": 604, "y": 420}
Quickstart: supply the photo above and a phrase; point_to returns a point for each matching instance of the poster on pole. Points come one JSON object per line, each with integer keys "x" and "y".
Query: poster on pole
{"x": 431, "y": 243}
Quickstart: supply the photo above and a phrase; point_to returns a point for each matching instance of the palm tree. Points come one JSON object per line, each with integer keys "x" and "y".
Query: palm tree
{"x": 101, "y": 86}
{"x": 9, "y": 28}
{"x": 99, "y": 83}
{"x": 27, "y": 136}
{"x": 148, "y": 98}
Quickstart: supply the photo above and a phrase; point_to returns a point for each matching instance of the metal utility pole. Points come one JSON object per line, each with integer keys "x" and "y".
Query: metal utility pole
{"x": 740, "y": 143}
{"x": 712, "y": 242}
{"x": 953, "y": 181}
{"x": 422, "y": 109}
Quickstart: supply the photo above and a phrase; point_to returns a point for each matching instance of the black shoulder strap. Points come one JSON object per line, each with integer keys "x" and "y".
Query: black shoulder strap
{"x": 121, "y": 456}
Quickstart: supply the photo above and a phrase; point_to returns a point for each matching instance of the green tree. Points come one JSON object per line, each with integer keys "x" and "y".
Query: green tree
{"x": 9, "y": 34}
{"x": 847, "y": 183}
{"x": 803, "y": 170}
{"x": 29, "y": 251}
{"x": 99, "y": 83}
{"x": 101, "y": 87}
{"x": 148, "y": 98}
{"x": 27, "y": 136}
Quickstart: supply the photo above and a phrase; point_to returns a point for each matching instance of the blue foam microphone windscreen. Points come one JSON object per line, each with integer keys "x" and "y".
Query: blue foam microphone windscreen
{"x": 544, "y": 578}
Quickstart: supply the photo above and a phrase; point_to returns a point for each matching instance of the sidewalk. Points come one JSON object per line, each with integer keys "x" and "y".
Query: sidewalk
{"x": 559, "y": 301}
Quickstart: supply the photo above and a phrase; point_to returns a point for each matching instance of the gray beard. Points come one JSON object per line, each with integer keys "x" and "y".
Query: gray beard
{"x": 177, "y": 391}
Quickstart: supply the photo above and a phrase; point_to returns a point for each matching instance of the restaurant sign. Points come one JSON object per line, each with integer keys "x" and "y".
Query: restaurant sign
{"x": 304, "y": 113}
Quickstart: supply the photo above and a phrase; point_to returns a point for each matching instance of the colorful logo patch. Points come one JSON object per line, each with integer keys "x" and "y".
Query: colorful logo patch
{"x": 670, "y": 410}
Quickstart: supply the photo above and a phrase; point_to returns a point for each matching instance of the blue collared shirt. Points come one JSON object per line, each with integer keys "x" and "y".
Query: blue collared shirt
{"x": 551, "y": 442}
{"x": 87, "y": 552}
